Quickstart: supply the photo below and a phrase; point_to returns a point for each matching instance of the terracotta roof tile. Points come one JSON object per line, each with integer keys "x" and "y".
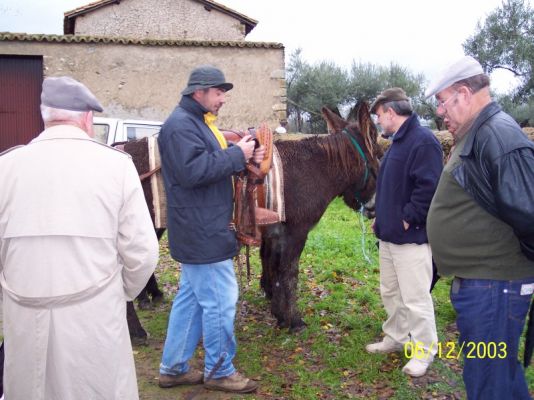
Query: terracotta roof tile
{"x": 24, "y": 37}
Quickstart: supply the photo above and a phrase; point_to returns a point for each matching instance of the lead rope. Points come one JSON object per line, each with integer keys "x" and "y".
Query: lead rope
{"x": 363, "y": 241}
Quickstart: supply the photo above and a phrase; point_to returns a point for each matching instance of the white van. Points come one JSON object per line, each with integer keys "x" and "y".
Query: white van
{"x": 112, "y": 130}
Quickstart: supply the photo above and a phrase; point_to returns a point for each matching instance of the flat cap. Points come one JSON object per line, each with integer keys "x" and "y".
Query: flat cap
{"x": 66, "y": 93}
{"x": 206, "y": 76}
{"x": 391, "y": 94}
{"x": 464, "y": 68}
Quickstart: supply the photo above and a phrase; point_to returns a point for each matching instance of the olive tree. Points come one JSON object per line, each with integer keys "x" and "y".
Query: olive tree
{"x": 313, "y": 86}
{"x": 506, "y": 41}
{"x": 310, "y": 87}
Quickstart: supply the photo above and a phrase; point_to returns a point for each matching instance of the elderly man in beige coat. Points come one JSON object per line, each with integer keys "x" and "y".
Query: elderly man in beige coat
{"x": 76, "y": 242}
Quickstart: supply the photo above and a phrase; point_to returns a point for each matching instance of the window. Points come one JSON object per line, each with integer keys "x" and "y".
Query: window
{"x": 135, "y": 132}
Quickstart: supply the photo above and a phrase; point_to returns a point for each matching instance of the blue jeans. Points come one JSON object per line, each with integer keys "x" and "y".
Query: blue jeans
{"x": 490, "y": 317}
{"x": 205, "y": 306}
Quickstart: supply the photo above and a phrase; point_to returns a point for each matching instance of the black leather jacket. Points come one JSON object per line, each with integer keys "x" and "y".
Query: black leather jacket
{"x": 497, "y": 169}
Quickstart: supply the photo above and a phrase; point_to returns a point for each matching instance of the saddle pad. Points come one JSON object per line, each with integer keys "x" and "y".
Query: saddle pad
{"x": 274, "y": 187}
{"x": 145, "y": 156}
{"x": 156, "y": 184}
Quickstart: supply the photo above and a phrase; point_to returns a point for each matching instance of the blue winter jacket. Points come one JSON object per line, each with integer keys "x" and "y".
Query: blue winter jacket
{"x": 197, "y": 175}
{"x": 407, "y": 179}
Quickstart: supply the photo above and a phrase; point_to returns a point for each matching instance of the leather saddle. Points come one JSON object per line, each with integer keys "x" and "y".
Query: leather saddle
{"x": 250, "y": 213}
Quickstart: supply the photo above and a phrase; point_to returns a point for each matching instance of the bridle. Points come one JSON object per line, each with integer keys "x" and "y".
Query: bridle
{"x": 368, "y": 171}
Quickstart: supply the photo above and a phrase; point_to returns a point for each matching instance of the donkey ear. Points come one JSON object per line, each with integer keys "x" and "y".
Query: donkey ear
{"x": 363, "y": 111}
{"x": 367, "y": 126}
{"x": 334, "y": 122}
{"x": 364, "y": 117}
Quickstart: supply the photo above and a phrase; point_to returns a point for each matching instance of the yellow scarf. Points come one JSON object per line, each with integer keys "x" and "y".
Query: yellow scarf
{"x": 210, "y": 119}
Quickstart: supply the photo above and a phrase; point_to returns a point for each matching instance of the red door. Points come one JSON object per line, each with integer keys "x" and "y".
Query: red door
{"x": 21, "y": 79}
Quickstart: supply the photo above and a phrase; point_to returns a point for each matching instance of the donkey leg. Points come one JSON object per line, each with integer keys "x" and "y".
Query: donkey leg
{"x": 143, "y": 300}
{"x": 265, "y": 280}
{"x": 284, "y": 301}
{"x": 153, "y": 289}
{"x": 287, "y": 297}
{"x": 270, "y": 257}
{"x": 138, "y": 335}
{"x": 152, "y": 284}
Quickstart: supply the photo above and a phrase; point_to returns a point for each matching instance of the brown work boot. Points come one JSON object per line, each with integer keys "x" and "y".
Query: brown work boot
{"x": 235, "y": 383}
{"x": 191, "y": 377}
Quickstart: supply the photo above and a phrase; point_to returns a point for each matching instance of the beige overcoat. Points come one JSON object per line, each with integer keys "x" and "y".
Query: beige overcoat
{"x": 76, "y": 242}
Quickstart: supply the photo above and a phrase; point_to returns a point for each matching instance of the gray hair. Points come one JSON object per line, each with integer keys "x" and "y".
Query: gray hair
{"x": 401, "y": 107}
{"x": 50, "y": 114}
{"x": 474, "y": 83}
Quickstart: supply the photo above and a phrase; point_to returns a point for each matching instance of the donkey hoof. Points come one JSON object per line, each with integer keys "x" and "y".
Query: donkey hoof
{"x": 144, "y": 304}
{"x": 139, "y": 341}
{"x": 298, "y": 327}
{"x": 157, "y": 299}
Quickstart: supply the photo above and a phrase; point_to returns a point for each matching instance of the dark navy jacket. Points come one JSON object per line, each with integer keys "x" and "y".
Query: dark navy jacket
{"x": 407, "y": 179}
{"x": 197, "y": 175}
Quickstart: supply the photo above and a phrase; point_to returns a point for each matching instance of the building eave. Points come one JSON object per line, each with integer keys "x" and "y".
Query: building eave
{"x": 25, "y": 37}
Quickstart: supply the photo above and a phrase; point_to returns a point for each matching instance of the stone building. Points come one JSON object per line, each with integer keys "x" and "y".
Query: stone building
{"x": 136, "y": 55}
{"x": 185, "y": 20}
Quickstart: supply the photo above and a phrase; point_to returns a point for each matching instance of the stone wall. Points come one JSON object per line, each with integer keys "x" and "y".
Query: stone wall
{"x": 143, "y": 79}
{"x": 160, "y": 19}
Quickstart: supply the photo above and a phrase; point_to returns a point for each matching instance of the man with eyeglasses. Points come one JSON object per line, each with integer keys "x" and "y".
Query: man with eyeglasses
{"x": 481, "y": 230}
{"x": 409, "y": 174}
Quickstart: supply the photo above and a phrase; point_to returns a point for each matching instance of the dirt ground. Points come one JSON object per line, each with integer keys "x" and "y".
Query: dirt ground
{"x": 147, "y": 359}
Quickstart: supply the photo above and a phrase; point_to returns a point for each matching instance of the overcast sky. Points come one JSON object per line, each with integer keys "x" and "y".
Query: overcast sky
{"x": 422, "y": 35}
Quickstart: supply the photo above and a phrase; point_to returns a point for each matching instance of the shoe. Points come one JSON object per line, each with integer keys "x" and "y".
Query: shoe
{"x": 191, "y": 377}
{"x": 384, "y": 347}
{"x": 235, "y": 383}
{"x": 417, "y": 367}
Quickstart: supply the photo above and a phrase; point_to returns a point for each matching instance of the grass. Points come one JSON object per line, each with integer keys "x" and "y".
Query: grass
{"x": 340, "y": 301}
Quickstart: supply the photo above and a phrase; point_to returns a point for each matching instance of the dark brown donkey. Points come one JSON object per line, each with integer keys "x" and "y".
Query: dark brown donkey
{"x": 316, "y": 170}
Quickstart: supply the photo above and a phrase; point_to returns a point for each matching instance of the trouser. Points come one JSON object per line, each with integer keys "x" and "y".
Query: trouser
{"x": 490, "y": 317}
{"x": 205, "y": 306}
{"x": 405, "y": 276}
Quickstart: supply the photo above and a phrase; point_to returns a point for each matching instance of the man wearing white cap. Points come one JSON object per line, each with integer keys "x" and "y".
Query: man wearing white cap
{"x": 481, "y": 230}
{"x": 76, "y": 242}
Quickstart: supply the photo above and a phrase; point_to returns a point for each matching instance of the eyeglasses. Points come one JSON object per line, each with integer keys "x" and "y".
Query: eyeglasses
{"x": 443, "y": 104}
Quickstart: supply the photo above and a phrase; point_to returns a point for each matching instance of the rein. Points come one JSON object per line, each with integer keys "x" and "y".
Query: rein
{"x": 357, "y": 192}
{"x": 148, "y": 174}
{"x": 366, "y": 164}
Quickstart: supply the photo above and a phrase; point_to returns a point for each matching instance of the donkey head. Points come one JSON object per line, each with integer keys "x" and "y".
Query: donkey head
{"x": 361, "y": 135}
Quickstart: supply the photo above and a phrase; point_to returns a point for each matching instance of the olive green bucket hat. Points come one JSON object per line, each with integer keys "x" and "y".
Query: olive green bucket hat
{"x": 206, "y": 76}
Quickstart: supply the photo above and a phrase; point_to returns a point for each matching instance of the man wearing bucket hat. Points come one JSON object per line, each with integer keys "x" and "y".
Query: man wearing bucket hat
{"x": 198, "y": 166}
{"x": 76, "y": 242}
{"x": 481, "y": 229}
{"x": 408, "y": 176}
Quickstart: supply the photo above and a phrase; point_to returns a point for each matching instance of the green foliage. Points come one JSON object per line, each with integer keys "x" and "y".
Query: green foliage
{"x": 506, "y": 40}
{"x": 368, "y": 80}
{"x": 523, "y": 113}
{"x": 310, "y": 87}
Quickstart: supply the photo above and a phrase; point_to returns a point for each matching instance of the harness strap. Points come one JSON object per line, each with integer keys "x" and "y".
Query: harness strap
{"x": 148, "y": 174}
{"x": 362, "y": 154}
